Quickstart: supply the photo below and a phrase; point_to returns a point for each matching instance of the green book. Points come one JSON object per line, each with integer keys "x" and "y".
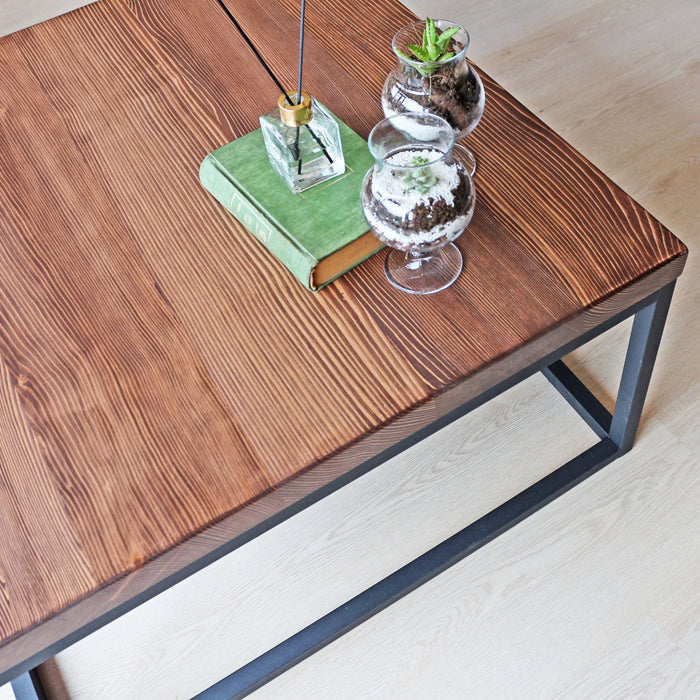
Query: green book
{"x": 319, "y": 234}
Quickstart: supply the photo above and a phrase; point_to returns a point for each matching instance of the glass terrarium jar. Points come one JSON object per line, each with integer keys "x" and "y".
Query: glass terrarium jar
{"x": 450, "y": 88}
{"x": 303, "y": 143}
{"x": 418, "y": 198}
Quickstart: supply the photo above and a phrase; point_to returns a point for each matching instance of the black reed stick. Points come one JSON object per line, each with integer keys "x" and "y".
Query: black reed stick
{"x": 301, "y": 67}
{"x": 301, "y": 47}
{"x": 256, "y": 52}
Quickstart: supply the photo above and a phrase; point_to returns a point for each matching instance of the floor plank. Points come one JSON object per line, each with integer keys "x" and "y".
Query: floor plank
{"x": 16, "y": 15}
{"x": 539, "y": 606}
{"x": 642, "y": 663}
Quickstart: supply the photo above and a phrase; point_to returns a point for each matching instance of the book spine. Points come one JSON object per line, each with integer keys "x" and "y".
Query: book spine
{"x": 215, "y": 180}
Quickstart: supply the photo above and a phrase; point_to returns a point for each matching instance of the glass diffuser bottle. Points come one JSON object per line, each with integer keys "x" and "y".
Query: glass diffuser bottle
{"x": 302, "y": 140}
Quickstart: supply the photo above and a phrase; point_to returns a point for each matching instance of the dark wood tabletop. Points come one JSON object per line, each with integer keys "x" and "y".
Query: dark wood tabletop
{"x": 166, "y": 386}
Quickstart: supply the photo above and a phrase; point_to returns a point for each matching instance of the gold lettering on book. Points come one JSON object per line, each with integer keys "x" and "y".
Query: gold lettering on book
{"x": 241, "y": 209}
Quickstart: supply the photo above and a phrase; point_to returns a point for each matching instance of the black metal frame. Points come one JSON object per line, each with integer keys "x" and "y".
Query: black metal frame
{"x": 616, "y": 432}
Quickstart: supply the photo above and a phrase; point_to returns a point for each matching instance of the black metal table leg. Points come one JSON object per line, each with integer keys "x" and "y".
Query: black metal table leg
{"x": 642, "y": 348}
{"x": 28, "y": 686}
{"x": 639, "y": 362}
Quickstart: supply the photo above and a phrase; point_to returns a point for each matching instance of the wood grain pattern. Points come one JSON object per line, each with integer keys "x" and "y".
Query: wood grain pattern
{"x": 162, "y": 372}
{"x": 667, "y": 670}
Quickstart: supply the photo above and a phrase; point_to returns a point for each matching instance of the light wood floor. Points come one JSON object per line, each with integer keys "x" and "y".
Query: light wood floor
{"x": 597, "y": 595}
{"x": 18, "y": 14}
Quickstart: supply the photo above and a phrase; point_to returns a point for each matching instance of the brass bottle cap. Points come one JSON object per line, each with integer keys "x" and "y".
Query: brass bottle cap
{"x": 295, "y": 115}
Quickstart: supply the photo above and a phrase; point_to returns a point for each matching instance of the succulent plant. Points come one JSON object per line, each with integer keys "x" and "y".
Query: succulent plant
{"x": 421, "y": 179}
{"x": 434, "y": 47}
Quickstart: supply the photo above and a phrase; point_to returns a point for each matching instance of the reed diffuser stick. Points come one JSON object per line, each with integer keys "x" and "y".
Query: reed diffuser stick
{"x": 301, "y": 47}
{"x": 256, "y": 52}
{"x": 301, "y": 68}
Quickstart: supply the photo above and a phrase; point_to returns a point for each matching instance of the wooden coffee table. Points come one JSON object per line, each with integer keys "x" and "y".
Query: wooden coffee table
{"x": 169, "y": 391}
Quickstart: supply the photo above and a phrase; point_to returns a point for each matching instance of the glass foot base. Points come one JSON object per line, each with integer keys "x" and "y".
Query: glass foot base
{"x": 424, "y": 275}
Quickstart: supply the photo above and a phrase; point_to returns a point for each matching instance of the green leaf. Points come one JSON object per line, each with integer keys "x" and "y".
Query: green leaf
{"x": 429, "y": 34}
{"x": 418, "y": 52}
{"x": 434, "y": 53}
{"x": 443, "y": 40}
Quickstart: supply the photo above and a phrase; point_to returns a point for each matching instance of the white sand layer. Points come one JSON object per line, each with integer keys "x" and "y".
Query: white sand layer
{"x": 393, "y": 187}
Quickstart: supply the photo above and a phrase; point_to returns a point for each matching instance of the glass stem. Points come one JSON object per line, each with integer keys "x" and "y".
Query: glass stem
{"x": 415, "y": 258}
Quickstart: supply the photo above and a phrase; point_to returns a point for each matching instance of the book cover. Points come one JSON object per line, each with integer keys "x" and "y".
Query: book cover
{"x": 318, "y": 234}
